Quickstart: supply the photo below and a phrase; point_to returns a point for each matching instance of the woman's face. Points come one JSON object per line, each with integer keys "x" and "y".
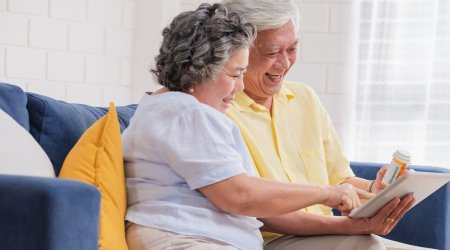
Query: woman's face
{"x": 220, "y": 92}
{"x": 271, "y": 57}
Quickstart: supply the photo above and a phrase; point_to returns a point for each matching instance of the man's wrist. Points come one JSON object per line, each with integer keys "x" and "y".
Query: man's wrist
{"x": 369, "y": 189}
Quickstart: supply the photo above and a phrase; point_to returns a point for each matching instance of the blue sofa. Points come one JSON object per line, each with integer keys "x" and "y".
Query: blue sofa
{"x": 54, "y": 214}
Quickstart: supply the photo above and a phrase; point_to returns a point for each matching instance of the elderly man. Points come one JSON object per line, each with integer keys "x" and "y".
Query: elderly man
{"x": 291, "y": 139}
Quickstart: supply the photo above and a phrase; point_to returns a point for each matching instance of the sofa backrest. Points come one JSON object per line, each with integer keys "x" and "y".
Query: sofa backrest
{"x": 13, "y": 101}
{"x": 57, "y": 125}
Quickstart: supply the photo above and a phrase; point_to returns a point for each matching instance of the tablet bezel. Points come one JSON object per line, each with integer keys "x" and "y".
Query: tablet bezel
{"x": 419, "y": 184}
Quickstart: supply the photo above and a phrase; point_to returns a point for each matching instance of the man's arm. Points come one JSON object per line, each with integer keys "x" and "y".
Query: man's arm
{"x": 364, "y": 184}
{"x": 303, "y": 223}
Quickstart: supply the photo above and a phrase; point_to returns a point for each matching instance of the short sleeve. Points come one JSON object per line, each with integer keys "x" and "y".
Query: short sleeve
{"x": 199, "y": 145}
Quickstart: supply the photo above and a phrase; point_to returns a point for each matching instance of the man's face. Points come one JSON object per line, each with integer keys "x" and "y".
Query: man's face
{"x": 271, "y": 57}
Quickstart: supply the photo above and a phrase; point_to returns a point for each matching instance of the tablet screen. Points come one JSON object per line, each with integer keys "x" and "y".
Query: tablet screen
{"x": 419, "y": 184}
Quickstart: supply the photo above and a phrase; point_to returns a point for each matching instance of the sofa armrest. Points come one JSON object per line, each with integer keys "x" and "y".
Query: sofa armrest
{"x": 48, "y": 213}
{"x": 428, "y": 223}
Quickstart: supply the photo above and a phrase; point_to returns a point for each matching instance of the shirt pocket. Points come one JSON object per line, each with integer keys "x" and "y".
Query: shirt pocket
{"x": 315, "y": 166}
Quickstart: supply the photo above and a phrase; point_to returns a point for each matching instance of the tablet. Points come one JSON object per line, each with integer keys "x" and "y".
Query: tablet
{"x": 419, "y": 184}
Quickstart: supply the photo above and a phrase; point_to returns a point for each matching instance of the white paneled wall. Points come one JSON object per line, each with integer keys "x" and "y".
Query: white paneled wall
{"x": 73, "y": 50}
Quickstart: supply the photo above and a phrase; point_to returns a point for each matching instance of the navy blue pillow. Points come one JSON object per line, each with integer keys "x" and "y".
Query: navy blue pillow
{"x": 13, "y": 101}
{"x": 58, "y": 125}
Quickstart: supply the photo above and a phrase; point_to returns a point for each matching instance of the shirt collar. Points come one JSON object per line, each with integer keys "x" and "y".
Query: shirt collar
{"x": 242, "y": 101}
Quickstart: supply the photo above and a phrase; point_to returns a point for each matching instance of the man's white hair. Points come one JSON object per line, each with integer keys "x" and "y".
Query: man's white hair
{"x": 265, "y": 14}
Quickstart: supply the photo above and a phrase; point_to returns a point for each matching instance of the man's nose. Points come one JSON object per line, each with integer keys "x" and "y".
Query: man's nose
{"x": 283, "y": 61}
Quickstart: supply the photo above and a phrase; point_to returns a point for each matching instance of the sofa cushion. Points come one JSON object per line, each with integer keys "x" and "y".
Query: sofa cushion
{"x": 97, "y": 160}
{"x": 20, "y": 154}
{"x": 13, "y": 101}
{"x": 57, "y": 125}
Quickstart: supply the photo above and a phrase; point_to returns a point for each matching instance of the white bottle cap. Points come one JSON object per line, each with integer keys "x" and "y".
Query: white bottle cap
{"x": 403, "y": 155}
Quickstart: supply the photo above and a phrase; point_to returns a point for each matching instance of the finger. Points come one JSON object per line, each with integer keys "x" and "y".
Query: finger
{"x": 363, "y": 194}
{"x": 379, "y": 179}
{"x": 357, "y": 201}
{"x": 397, "y": 216}
{"x": 404, "y": 205}
{"x": 389, "y": 227}
{"x": 355, "y": 197}
{"x": 347, "y": 204}
{"x": 385, "y": 212}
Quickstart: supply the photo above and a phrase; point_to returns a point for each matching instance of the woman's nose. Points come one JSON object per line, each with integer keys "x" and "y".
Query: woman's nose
{"x": 239, "y": 86}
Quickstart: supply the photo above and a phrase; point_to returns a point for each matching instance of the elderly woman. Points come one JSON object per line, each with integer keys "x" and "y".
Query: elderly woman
{"x": 189, "y": 174}
{"x": 291, "y": 139}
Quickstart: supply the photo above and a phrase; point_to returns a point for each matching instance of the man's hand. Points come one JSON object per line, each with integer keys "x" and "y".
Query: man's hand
{"x": 385, "y": 220}
{"x": 379, "y": 185}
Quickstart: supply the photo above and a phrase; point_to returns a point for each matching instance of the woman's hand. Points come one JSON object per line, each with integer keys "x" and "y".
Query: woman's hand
{"x": 346, "y": 197}
{"x": 385, "y": 220}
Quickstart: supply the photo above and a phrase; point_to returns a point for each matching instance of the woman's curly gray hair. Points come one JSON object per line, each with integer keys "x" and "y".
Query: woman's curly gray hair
{"x": 197, "y": 44}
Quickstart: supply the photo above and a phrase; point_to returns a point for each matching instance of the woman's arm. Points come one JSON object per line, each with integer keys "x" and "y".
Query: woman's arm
{"x": 253, "y": 196}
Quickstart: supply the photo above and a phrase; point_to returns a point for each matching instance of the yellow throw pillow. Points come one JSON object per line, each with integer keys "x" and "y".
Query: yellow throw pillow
{"x": 97, "y": 159}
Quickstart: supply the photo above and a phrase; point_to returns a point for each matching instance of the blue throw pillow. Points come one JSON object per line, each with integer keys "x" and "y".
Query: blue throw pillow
{"x": 13, "y": 101}
{"x": 58, "y": 125}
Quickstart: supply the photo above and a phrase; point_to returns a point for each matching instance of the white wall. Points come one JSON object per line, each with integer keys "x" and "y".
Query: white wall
{"x": 150, "y": 19}
{"x": 73, "y": 50}
{"x": 94, "y": 51}
{"x": 325, "y": 57}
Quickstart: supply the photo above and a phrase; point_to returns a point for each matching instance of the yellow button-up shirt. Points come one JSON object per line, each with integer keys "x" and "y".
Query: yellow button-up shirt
{"x": 297, "y": 143}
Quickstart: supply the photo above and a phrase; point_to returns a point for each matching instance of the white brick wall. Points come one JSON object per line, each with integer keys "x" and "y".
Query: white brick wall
{"x": 73, "y": 50}
{"x": 2, "y": 61}
{"x": 52, "y": 89}
{"x": 125, "y": 75}
{"x": 100, "y": 69}
{"x": 324, "y": 57}
{"x": 48, "y": 34}
{"x": 25, "y": 63}
{"x": 109, "y": 12}
{"x": 85, "y": 93}
{"x": 63, "y": 66}
{"x": 118, "y": 42}
{"x": 340, "y": 18}
{"x": 74, "y": 10}
{"x": 13, "y": 29}
{"x": 86, "y": 38}
{"x": 128, "y": 15}
{"x": 314, "y": 17}
{"x": 315, "y": 75}
{"x": 2, "y": 5}
{"x": 93, "y": 51}
{"x": 33, "y": 7}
